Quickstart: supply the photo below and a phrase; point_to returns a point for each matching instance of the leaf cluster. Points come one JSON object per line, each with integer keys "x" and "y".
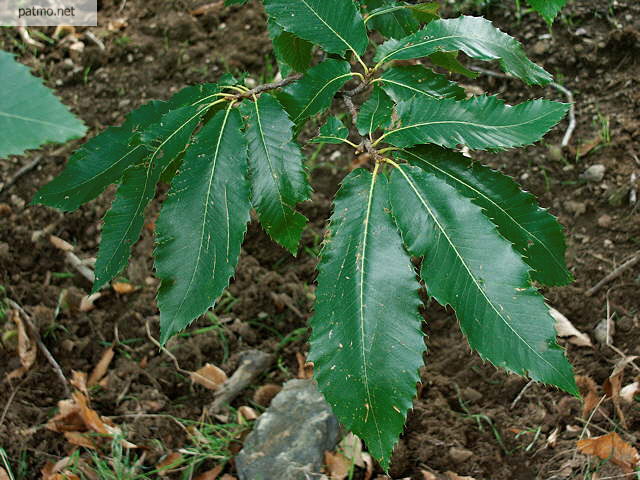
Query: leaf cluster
{"x": 481, "y": 241}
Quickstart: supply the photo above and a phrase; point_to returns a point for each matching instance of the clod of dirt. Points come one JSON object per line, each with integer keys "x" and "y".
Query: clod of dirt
{"x": 290, "y": 438}
{"x": 460, "y": 455}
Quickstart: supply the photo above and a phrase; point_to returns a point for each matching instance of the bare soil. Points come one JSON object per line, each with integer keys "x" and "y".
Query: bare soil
{"x": 594, "y": 50}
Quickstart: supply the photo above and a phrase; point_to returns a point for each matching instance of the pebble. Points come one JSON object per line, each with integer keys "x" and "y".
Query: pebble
{"x": 460, "y": 455}
{"x": 289, "y": 439}
{"x": 604, "y": 221}
{"x": 595, "y": 173}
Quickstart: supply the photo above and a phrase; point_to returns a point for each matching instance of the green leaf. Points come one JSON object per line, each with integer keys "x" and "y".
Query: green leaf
{"x": 475, "y": 36}
{"x": 426, "y": 12}
{"x": 314, "y": 92}
{"x": 375, "y": 112}
{"x": 335, "y": 25}
{"x": 481, "y": 123}
{"x": 469, "y": 266}
{"x": 392, "y": 19}
{"x": 289, "y": 49}
{"x": 367, "y": 343}
{"x": 202, "y": 223}
{"x": 404, "y": 83}
{"x": 30, "y": 114}
{"x": 533, "y": 231}
{"x": 549, "y": 9}
{"x": 234, "y": 2}
{"x": 100, "y": 162}
{"x": 123, "y": 223}
{"x": 278, "y": 178}
{"x": 449, "y": 61}
{"x": 333, "y": 131}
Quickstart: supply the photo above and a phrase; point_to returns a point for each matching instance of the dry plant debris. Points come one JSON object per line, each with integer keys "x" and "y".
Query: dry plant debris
{"x": 613, "y": 448}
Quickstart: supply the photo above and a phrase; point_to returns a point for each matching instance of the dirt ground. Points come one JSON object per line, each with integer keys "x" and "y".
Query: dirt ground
{"x": 466, "y": 419}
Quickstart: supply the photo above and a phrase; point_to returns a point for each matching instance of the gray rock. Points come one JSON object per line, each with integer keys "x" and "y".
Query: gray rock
{"x": 288, "y": 441}
{"x": 595, "y": 173}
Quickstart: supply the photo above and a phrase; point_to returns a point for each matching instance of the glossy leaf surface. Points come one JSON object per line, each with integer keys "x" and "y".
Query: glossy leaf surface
{"x": 481, "y": 123}
{"x": 202, "y": 223}
{"x": 404, "y": 83}
{"x": 468, "y": 265}
{"x": 367, "y": 342}
{"x": 375, "y": 112}
{"x": 333, "y": 131}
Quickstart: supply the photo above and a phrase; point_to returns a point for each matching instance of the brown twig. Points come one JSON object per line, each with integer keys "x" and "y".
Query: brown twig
{"x": 22, "y": 171}
{"x": 270, "y": 86}
{"x": 613, "y": 275}
{"x": 43, "y": 348}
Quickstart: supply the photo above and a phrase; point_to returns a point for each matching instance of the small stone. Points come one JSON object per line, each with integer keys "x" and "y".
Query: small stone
{"x": 17, "y": 201}
{"x": 607, "y": 243}
{"x": 471, "y": 395}
{"x": 577, "y": 208}
{"x": 604, "y": 330}
{"x": 460, "y": 455}
{"x": 5, "y": 210}
{"x": 555, "y": 153}
{"x": 604, "y": 221}
{"x": 595, "y": 173}
{"x": 288, "y": 441}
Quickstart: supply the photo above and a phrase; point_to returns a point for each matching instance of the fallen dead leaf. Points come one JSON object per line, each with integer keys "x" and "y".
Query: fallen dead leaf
{"x": 27, "y": 349}
{"x": 3, "y": 474}
{"x": 101, "y": 368}
{"x": 210, "y": 474}
{"x": 591, "y": 399}
{"x": 226, "y": 476}
{"x": 68, "y": 418}
{"x": 246, "y": 413}
{"x": 51, "y": 471}
{"x": 79, "y": 439}
{"x": 79, "y": 381}
{"x": 368, "y": 461}
{"x": 213, "y": 6}
{"x": 117, "y": 24}
{"x": 209, "y": 376}
{"x": 613, "y": 385}
{"x": 428, "y": 475}
{"x": 169, "y": 463}
{"x": 123, "y": 288}
{"x": 613, "y": 448}
{"x": 87, "y": 302}
{"x": 264, "y": 394}
{"x": 552, "y": 439}
{"x": 337, "y": 465}
{"x": 628, "y": 392}
{"x": 589, "y": 145}
{"x": 351, "y": 447}
{"x": 564, "y": 328}
{"x": 305, "y": 369}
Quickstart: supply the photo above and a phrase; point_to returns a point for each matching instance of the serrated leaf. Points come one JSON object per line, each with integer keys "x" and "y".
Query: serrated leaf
{"x": 367, "y": 343}
{"x": 392, "y": 19}
{"x": 449, "y": 61}
{"x": 314, "y": 92}
{"x": 234, "y": 2}
{"x": 475, "y": 36}
{"x": 534, "y": 232}
{"x": 289, "y": 49}
{"x": 481, "y": 123}
{"x": 123, "y": 223}
{"x": 375, "y": 112}
{"x": 426, "y": 12}
{"x": 468, "y": 265}
{"x": 100, "y": 162}
{"x": 30, "y": 114}
{"x": 333, "y": 131}
{"x": 278, "y": 179}
{"x": 210, "y": 193}
{"x": 335, "y": 25}
{"x": 404, "y": 83}
{"x": 549, "y": 9}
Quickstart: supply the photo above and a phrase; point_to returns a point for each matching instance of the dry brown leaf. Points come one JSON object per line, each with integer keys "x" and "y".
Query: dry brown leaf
{"x": 351, "y": 447}
{"x": 552, "y": 439}
{"x": 337, "y": 465}
{"x": 368, "y": 461}
{"x": 3, "y": 474}
{"x": 123, "y": 288}
{"x": 613, "y": 385}
{"x": 305, "y": 369}
{"x": 87, "y": 302}
{"x": 428, "y": 475}
{"x": 79, "y": 439}
{"x": 60, "y": 244}
{"x": 226, "y": 476}
{"x": 246, "y": 413}
{"x": 209, "y": 376}
{"x": 117, "y": 24}
{"x": 27, "y": 349}
{"x": 79, "y": 381}
{"x": 51, "y": 471}
{"x": 68, "y": 418}
{"x": 628, "y": 392}
{"x": 591, "y": 399}
{"x": 264, "y": 394}
{"x": 589, "y": 145}
{"x": 564, "y": 328}
{"x": 213, "y": 6}
{"x": 613, "y": 448}
{"x": 90, "y": 417}
{"x": 210, "y": 474}
{"x": 101, "y": 368}
{"x": 170, "y": 462}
